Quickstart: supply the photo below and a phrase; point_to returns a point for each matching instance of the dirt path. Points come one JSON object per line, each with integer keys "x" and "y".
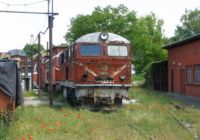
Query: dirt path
{"x": 34, "y": 101}
{"x": 186, "y": 100}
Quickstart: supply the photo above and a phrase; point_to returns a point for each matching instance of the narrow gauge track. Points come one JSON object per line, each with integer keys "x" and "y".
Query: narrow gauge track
{"x": 187, "y": 126}
{"x": 88, "y": 103}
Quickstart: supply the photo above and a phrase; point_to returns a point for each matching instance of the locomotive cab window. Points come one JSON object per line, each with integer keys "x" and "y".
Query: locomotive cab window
{"x": 114, "y": 50}
{"x": 90, "y": 50}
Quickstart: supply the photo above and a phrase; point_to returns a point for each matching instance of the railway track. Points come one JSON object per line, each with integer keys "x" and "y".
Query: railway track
{"x": 189, "y": 127}
{"x": 183, "y": 123}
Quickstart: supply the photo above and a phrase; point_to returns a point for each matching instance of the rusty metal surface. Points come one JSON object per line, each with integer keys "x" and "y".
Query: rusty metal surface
{"x": 6, "y": 102}
{"x": 111, "y": 75}
{"x": 103, "y": 69}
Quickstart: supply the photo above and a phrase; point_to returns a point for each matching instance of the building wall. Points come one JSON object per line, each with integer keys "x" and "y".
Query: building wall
{"x": 178, "y": 59}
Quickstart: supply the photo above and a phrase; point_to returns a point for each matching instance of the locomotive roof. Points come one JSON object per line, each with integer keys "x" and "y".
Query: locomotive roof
{"x": 94, "y": 37}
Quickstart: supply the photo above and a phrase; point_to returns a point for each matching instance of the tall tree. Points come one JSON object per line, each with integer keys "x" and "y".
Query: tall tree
{"x": 190, "y": 25}
{"x": 144, "y": 33}
{"x": 117, "y": 20}
{"x": 31, "y": 49}
{"x": 147, "y": 42}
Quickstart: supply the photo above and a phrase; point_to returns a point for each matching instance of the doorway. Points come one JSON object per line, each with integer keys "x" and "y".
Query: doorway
{"x": 172, "y": 80}
{"x": 182, "y": 81}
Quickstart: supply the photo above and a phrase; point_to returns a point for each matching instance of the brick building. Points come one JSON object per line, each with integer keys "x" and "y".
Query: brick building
{"x": 24, "y": 65}
{"x": 184, "y": 66}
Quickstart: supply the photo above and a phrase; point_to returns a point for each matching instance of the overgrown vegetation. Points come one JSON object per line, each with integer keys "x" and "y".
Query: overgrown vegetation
{"x": 32, "y": 49}
{"x": 190, "y": 26}
{"x": 6, "y": 120}
{"x": 30, "y": 93}
{"x": 137, "y": 77}
{"x": 149, "y": 118}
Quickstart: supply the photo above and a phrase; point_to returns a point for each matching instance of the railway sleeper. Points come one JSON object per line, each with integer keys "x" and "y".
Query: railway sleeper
{"x": 188, "y": 126}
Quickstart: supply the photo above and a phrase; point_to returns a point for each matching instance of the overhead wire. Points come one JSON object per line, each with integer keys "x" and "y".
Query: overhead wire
{"x": 29, "y": 4}
{"x": 1, "y": 2}
{"x": 25, "y": 4}
{"x": 40, "y": 32}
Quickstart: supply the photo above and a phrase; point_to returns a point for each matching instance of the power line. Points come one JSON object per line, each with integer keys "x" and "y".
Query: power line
{"x": 40, "y": 33}
{"x": 26, "y": 4}
{"x": 1, "y": 2}
{"x": 28, "y": 12}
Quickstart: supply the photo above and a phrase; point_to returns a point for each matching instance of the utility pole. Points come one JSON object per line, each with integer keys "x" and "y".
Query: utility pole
{"x": 47, "y": 45}
{"x": 50, "y": 61}
{"x": 31, "y": 42}
{"x": 50, "y": 20}
{"x": 39, "y": 67}
{"x": 50, "y": 27}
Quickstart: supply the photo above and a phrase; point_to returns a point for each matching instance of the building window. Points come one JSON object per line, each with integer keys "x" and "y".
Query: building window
{"x": 197, "y": 74}
{"x": 189, "y": 74}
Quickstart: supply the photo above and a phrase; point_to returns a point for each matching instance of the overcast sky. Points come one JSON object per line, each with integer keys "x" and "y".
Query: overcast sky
{"x": 15, "y": 29}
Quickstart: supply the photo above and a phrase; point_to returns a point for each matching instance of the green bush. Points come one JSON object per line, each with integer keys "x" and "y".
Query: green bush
{"x": 137, "y": 77}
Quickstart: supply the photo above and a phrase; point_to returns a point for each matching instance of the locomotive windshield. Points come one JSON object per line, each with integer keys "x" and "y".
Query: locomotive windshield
{"x": 114, "y": 50}
{"x": 90, "y": 50}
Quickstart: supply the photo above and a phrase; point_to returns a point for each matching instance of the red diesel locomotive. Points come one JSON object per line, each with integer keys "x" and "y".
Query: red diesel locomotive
{"x": 44, "y": 67}
{"x": 98, "y": 67}
{"x": 55, "y": 71}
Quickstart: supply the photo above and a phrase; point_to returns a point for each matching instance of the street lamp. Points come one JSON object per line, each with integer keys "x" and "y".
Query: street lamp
{"x": 31, "y": 43}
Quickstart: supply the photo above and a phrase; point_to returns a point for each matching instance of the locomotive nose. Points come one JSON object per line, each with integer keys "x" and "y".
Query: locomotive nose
{"x": 104, "y": 74}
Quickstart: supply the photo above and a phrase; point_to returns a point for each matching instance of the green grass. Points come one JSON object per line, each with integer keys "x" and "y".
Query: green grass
{"x": 147, "y": 119}
{"x": 137, "y": 77}
{"x": 30, "y": 93}
{"x": 147, "y": 96}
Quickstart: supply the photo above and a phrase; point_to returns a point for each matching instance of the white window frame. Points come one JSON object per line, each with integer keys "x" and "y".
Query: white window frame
{"x": 197, "y": 73}
{"x": 189, "y": 74}
{"x": 114, "y": 50}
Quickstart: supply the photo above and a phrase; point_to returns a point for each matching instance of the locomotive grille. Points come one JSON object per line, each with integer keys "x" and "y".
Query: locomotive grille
{"x": 104, "y": 79}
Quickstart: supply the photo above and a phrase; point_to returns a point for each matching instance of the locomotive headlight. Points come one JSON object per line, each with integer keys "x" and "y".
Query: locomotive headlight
{"x": 103, "y": 36}
{"x": 84, "y": 76}
{"x": 122, "y": 77}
